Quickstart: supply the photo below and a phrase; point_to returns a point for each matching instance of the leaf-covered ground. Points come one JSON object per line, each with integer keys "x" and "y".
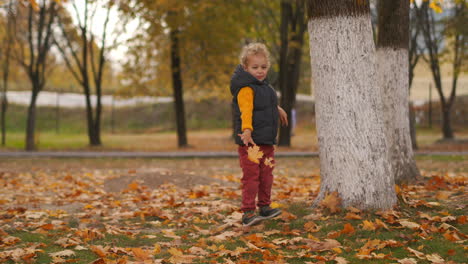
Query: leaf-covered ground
{"x": 187, "y": 211}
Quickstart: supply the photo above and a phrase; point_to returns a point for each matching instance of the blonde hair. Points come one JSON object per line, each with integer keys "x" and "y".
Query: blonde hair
{"x": 255, "y": 48}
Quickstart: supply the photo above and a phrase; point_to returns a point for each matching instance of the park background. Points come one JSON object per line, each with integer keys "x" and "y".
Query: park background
{"x": 66, "y": 200}
{"x": 137, "y": 93}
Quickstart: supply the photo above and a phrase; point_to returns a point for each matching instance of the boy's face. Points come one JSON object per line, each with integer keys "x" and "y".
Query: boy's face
{"x": 257, "y": 65}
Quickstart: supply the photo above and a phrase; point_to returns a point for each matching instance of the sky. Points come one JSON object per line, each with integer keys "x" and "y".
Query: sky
{"x": 98, "y": 26}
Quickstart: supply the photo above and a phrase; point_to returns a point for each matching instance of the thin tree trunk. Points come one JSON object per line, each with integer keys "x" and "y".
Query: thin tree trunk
{"x": 290, "y": 60}
{"x": 3, "y": 117}
{"x": 178, "y": 89}
{"x": 351, "y": 136}
{"x": 447, "y": 130}
{"x": 392, "y": 57}
{"x": 433, "y": 47}
{"x": 6, "y": 70}
{"x": 31, "y": 121}
{"x": 412, "y": 124}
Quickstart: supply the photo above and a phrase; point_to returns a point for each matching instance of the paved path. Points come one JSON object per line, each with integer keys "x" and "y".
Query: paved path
{"x": 207, "y": 154}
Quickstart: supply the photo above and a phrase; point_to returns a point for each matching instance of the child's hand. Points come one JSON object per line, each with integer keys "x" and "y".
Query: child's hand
{"x": 246, "y": 137}
{"x": 283, "y": 116}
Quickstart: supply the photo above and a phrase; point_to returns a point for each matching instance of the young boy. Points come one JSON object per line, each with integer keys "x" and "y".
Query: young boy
{"x": 256, "y": 113}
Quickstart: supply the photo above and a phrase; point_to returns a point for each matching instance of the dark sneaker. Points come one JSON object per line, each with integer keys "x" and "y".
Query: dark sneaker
{"x": 250, "y": 218}
{"x": 267, "y": 212}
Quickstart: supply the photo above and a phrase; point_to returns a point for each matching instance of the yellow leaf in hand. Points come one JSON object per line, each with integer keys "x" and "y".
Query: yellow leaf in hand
{"x": 254, "y": 154}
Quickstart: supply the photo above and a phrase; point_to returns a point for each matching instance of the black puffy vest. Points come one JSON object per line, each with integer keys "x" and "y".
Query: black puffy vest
{"x": 265, "y": 109}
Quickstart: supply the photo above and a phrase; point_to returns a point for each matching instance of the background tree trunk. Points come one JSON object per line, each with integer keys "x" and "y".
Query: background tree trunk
{"x": 433, "y": 43}
{"x": 31, "y": 122}
{"x": 413, "y": 58}
{"x": 293, "y": 27}
{"x": 39, "y": 37}
{"x": 178, "y": 89}
{"x": 392, "y": 61}
{"x": 351, "y": 136}
{"x": 6, "y": 68}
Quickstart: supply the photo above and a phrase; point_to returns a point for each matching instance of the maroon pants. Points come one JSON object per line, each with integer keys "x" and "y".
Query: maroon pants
{"x": 257, "y": 178}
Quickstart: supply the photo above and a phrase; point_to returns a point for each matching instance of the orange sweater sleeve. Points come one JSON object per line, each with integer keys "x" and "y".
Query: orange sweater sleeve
{"x": 245, "y": 99}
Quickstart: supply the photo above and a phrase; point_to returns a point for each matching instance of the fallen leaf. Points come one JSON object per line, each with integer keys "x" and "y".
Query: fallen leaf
{"x": 368, "y": 225}
{"x": 461, "y": 219}
{"x": 435, "y": 258}
{"x": 311, "y": 227}
{"x": 141, "y": 254}
{"x": 380, "y": 224}
{"x": 175, "y": 252}
{"x": 348, "y": 229}
{"x": 352, "y": 216}
{"x": 451, "y": 236}
{"x": 341, "y": 260}
{"x": 332, "y": 202}
{"x": 408, "y": 224}
{"x": 408, "y": 261}
{"x": 98, "y": 250}
{"x": 63, "y": 254}
{"x": 418, "y": 254}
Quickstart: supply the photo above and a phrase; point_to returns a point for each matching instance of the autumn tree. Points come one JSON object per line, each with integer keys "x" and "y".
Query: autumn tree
{"x": 414, "y": 55}
{"x": 392, "y": 61}
{"x": 85, "y": 53}
{"x": 433, "y": 30}
{"x": 34, "y": 43}
{"x": 292, "y": 29}
{"x": 185, "y": 47}
{"x": 350, "y": 128}
{"x": 5, "y": 55}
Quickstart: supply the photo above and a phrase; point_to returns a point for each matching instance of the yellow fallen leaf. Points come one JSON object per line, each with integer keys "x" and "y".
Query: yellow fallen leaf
{"x": 368, "y": 225}
{"x": 379, "y": 223}
{"x": 157, "y": 249}
{"x": 175, "y": 252}
{"x": 254, "y": 154}
{"x": 277, "y": 205}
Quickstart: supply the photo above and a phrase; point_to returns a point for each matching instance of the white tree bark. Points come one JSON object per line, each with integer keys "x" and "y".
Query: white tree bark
{"x": 350, "y": 127}
{"x": 393, "y": 79}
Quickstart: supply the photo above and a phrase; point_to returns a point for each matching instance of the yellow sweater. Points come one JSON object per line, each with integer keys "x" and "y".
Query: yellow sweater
{"x": 245, "y": 99}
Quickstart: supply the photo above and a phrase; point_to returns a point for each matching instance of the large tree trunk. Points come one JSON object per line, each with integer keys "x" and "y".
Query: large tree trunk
{"x": 392, "y": 58}
{"x": 178, "y": 89}
{"x": 352, "y": 147}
